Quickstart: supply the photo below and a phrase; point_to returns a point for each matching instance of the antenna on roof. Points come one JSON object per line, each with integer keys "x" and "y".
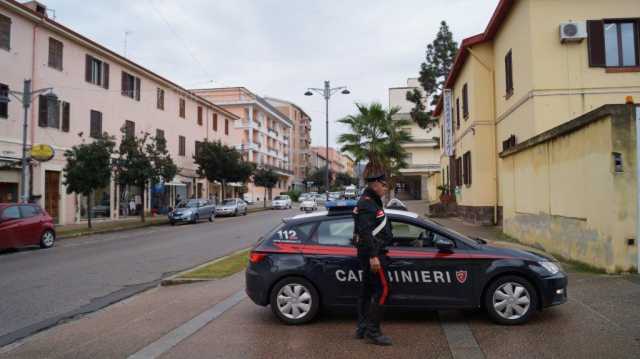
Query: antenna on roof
{"x": 126, "y": 34}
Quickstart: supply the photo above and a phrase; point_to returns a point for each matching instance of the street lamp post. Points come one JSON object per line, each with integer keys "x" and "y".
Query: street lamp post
{"x": 327, "y": 91}
{"x": 25, "y": 97}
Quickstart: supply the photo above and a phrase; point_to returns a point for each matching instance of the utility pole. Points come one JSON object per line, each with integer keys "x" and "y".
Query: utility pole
{"x": 637, "y": 114}
{"x": 25, "y": 97}
{"x": 327, "y": 91}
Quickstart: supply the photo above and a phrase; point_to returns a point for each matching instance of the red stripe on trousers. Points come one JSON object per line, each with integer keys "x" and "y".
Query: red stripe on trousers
{"x": 385, "y": 286}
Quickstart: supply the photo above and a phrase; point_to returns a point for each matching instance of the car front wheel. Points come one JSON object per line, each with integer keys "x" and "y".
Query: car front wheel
{"x": 510, "y": 300}
{"x": 294, "y": 300}
{"x": 47, "y": 239}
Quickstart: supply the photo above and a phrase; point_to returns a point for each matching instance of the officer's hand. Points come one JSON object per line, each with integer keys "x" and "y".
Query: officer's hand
{"x": 375, "y": 264}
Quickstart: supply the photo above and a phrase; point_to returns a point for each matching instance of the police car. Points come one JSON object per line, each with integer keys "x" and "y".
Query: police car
{"x": 308, "y": 261}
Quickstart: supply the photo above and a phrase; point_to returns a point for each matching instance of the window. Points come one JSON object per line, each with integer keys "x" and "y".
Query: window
{"x": 215, "y": 122}
{"x": 182, "y": 108}
{"x": 131, "y": 86}
{"x": 5, "y": 32}
{"x": 129, "y": 128}
{"x": 48, "y": 111}
{"x": 613, "y": 43}
{"x": 96, "y": 71}
{"x": 508, "y": 74}
{"x": 198, "y": 148}
{"x": 466, "y": 164}
{"x": 29, "y": 211}
{"x": 182, "y": 146}
{"x": 458, "y": 112}
{"x": 335, "y": 232}
{"x": 410, "y": 235}
{"x": 465, "y": 102}
{"x": 11, "y": 213}
{"x": 159, "y": 133}
{"x": 66, "y": 113}
{"x": 96, "y": 124}
{"x": 160, "y": 99}
{"x": 4, "y": 107}
{"x": 55, "y": 54}
{"x": 199, "y": 115}
{"x": 226, "y": 126}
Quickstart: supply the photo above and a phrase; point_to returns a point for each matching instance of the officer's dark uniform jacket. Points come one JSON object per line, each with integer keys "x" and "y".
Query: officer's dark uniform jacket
{"x": 372, "y": 227}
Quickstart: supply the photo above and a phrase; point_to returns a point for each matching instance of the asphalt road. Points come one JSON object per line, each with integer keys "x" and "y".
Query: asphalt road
{"x": 41, "y": 288}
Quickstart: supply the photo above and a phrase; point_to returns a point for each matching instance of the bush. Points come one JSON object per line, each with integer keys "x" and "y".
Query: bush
{"x": 294, "y": 194}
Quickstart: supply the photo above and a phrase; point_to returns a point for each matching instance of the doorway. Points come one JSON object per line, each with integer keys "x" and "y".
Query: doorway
{"x": 52, "y": 194}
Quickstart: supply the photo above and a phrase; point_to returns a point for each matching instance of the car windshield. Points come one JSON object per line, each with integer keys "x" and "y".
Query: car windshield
{"x": 228, "y": 202}
{"x": 280, "y": 198}
{"x": 190, "y": 204}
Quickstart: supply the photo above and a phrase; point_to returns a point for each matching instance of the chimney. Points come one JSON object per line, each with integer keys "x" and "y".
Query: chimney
{"x": 37, "y": 7}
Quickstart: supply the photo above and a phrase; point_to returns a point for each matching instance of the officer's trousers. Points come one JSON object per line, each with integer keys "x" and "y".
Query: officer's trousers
{"x": 374, "y": 291}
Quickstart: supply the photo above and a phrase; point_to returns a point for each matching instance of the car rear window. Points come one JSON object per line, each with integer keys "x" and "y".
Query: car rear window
{"x": 29, "y": 211}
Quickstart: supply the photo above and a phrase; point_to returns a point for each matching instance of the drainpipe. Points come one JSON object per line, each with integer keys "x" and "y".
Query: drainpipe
{"x": 637, "y": 114}
{"x": 495, "y": 131}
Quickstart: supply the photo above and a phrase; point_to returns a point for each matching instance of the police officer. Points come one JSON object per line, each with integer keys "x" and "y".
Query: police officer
{"x": 372, "y": 234}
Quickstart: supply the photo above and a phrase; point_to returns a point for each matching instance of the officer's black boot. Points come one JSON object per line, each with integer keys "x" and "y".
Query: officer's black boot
{"x": 374, "y": 334}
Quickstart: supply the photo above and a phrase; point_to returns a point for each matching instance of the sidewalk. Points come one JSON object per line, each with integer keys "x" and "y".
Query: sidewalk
{"x": 105, "y": 226}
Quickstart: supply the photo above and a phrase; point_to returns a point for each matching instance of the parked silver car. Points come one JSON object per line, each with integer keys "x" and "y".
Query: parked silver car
{"x": 232, "y": 207}
{"x": 192, "y": 211}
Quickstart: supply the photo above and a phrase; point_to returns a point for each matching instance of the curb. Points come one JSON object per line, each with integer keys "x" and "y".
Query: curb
{"x": 110, "y": 230}
{"x": 176, "y": 280}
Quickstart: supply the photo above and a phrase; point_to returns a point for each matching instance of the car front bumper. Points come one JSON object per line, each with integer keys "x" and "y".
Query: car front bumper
{"x": 553, "y": 289}
{"x": 180, "y": 217}
{"x": 225, "y": 211}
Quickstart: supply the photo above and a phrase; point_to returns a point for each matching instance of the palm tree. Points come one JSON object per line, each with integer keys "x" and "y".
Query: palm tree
{"x": 376, "y": 138}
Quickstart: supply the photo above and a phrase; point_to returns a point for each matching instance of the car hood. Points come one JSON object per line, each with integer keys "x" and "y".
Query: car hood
{"x": 505, "y": 249}
{"x": 182, "y": 210}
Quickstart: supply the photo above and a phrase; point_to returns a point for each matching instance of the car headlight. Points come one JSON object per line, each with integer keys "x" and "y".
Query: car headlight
{"x": 551, "y": 267}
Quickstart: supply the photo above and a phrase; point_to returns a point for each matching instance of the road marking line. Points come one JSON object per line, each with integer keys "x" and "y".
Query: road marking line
{"x": 460, "y": 339}
{"x": 171, "y": 339}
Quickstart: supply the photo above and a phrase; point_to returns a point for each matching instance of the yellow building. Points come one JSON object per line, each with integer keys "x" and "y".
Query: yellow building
{"x": 540, "y": 140}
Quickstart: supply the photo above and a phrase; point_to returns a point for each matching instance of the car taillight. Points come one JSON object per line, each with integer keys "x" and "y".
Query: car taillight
{"x": 257, "y": 257}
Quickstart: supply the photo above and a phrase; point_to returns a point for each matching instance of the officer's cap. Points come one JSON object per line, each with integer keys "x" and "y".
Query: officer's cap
{"x": 378, "y": 177}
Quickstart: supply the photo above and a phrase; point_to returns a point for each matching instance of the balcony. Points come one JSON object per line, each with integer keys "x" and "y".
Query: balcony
{"x": 279, "y": 169}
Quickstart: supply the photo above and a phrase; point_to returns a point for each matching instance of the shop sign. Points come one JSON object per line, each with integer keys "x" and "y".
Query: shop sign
{"x": 42, "y": 152}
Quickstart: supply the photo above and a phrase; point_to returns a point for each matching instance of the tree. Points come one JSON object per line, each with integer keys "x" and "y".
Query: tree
{"x": 376, "y": 138}
{"x": 143, "y": 160}
{"x": 219, "y": 162}
{"x": 267, "y": 178}
{"x": 343, "y": 179}
{"x": 88, "y": 168}
{"x": 317, "y": 177}
{"x": 439, "y": 58}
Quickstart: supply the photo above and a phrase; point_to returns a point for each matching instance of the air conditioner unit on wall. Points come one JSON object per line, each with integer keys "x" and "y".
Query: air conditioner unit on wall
{"x": 573, "y": 31}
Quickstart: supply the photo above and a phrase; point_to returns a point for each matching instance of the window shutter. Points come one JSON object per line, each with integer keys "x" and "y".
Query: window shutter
{"x": 595, "y": 35}
{"x": 105, "y": 73}
{"x": 137, "y": 89}
{"x": 124, "y": 84}
{"x": 42, "y": 111}
{"x": 65, "y": 116}
{"x": 87, "y": 68}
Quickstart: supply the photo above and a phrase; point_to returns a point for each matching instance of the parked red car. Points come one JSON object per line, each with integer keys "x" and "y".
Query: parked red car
{"x": 25, "y": 225}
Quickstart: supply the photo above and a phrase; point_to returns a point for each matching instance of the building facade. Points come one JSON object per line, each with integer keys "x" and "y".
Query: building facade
{"x": 419, "y": 180}
{"x": 96, "y": 91}
{"x": 263, "y": 134}
{"x": 301, "y": 139}
{"x": 337, "y": 161}
{"x": 541, "y": 138}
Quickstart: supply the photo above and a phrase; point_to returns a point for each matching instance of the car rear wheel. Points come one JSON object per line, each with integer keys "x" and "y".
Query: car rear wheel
{"x": 510, "y": 300}
{"x": 47, "y": 239}
{"x": 294, "y": 300}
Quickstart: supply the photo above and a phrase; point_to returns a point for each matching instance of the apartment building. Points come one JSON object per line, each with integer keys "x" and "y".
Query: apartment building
{"x": 536, "y": 134}
{"x": 263, "y": 133}
{"x": 96, "y": 91}
{"x": 301, "y": 139}
{"x": 337, "y": 161}
{"x": 419, "y": 180}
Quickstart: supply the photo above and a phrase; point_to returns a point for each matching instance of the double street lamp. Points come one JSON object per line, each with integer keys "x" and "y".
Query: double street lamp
{"x": 25, "y": 97}
{"x": 327, "y": 91}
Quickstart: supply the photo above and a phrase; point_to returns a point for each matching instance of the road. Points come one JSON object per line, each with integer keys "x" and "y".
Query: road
{"x": 41, "y": 288}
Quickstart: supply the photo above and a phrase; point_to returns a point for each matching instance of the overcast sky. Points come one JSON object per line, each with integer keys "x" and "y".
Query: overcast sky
{"x": 279, "y": 48}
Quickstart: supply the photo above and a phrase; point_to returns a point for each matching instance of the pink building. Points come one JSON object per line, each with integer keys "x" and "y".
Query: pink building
{"x": 263, "y": 133}
{"x": 300, "y": 145}
{"x": 98, "y": 91}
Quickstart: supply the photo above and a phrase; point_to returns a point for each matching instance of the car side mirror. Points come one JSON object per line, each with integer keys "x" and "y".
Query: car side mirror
{"x": 443, "y": 244}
